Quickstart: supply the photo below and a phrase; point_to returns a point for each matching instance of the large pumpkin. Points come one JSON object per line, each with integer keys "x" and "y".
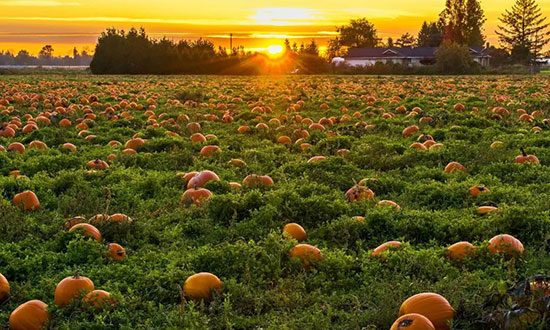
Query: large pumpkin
{"x": 202, "y": 178}
{"x": 31, "y": 315}
{"x": 4, "y": 288}
{"x": 307, "y": 253}
{"x": 460, "y": 250}
{"x": 196, "y": 196}
{"x": 71, "y": 288}
{"x": 97, "y": 299}
{"x": 89, "y": 230}
{"x": 254, "y": 180}
{"x": 358, "y": 193}
{"x": 26, "y": 200}
{"x": 432, "y": 305}
{"x": 412, "y": 321}
{"x": 116, "y": 252}
{"x": 201, "y": 285}
{"x": 505, "y": 243}
{"x": 385, "y": 246}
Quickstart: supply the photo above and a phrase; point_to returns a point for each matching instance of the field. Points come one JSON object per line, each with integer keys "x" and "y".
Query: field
{"x": 267, "y": 126}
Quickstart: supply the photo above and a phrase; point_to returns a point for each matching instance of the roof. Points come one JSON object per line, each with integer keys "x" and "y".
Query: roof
{"x": 423, "y": 52}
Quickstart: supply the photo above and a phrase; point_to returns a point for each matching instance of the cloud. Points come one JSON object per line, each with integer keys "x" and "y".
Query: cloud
{"x": 37, "y": 3}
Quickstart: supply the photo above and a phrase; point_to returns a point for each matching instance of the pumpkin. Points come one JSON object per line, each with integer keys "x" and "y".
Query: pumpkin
{"x": 307, "y": 253}
{"x": 88, "y": 230}
{"x": 385, "y": 246}
{"x": 412, "y": 321}
{"x": 31, "y": 315}
{"x": 196, "y": 196}
{"x": 26, "y": 200}
{"x": 17, "y": 147}
{"x": 454, "y": 167}
{"x": 69, "y": 146}
{"x": 409, "y": 131}
{"x": 197, "y": 137}
{"x": 4, "y": 289}
{"x": 71, "y": 288}
{"x": 254, "y": 180}
{"x": 209, "y": 150}
{"x": 284, "y": 139}
{"x": 505, "y": 244}
{"x": 496, "y": 144}
{"x": 460, "y": 250}
{"x": 116, "y": 252}
{"x": 391, "y": 204}
{"x": 201, "y": 179}
{"x": 98, "y": 218}
{"x": 295, "y": 231}
{"x": 73, "y": 221}
{"x": 39, "y": 145}
{"x": 200, "y": 286}
{"x": 487, "y": 209}
{"x": 98, "y": 164}
{"x": 419, "y": 146}
{"x": 358, "y": 193}
{"x": 237, "y": 162}
{"x": 477, "y": 190}
{"x": 432, "y": 305}
{"x": 315, "y": 159}
{"x": 97, "y": 299}
{"x": 119, "y": 217}
{"x": 524, "y": 158}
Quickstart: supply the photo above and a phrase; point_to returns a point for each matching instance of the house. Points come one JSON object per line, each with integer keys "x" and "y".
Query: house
{"x": 408, "y": 56}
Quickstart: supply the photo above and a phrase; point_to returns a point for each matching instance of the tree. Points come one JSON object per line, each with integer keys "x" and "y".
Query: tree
{"x": 46, "y": 52}
{"x": 358, "y": 33}
{"x": 430, "y": 35}
{"x": 390, "y": 44}
{"x": 523, "y": 31}
{"x": 452, "y": 58}
{"x": 311, "y": 48}
{"x": 406, "y": 40}
{"x": 463, "y": 21}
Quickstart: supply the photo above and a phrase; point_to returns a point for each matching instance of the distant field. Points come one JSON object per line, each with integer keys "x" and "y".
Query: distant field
{"x": 141, "y": 128}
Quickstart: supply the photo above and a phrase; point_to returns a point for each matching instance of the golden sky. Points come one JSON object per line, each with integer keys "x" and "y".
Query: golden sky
{"x": 30, "y": 24}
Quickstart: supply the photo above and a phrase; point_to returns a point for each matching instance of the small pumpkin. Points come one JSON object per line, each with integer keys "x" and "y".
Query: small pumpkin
{"x": 307, "y": 253}
{"x": 295, "y": 231}
{"x": 97, "y": 299}
{"x": 98, "y": 164}
{"x": 73, "y": 221}
{"x": 254, "y": 180}
{"x": 201, "y": 179}
{"x": 116, "y": 252}
{"x": 358, "y": 193}
{"x": 478, "y": 190}
{"x": 31, "y": 315}
{"x": 89, "y": 230}
{"x": 71, "y": 288}
{"x": 209, "y": 150}
{"x": 460, "y": 250}
{"x": 26, "y": 200}
{"x": 200, "y": 286}
{"x": 385, "y": 246}
{"x": 432, "y": 305}
{"x": 525, "y": 158}
{"x": 412, "y": 321}
{"x": 196, "y": 196}
{"x": 454, "y": 167}
{"x": 4, "y": 289}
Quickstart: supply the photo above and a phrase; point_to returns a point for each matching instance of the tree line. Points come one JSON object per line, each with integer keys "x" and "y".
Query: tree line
{"x": 45, "y": 57}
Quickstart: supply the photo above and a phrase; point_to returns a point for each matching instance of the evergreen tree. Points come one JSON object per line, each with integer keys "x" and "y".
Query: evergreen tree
{"x": 430, "y": 35}
{"x": 463, "y": 21}
{"x": 406, "y": 40}
{"x": 524, "y": 30}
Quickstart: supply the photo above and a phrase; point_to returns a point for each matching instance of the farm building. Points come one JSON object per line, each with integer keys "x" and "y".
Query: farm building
{"x": 408, "y": 56}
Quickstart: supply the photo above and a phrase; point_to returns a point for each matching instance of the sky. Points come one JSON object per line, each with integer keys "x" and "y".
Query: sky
{"x": 30, "y": 24}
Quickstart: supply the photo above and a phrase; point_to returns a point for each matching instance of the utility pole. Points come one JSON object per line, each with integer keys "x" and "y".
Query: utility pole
{"x": 231, "y": 42}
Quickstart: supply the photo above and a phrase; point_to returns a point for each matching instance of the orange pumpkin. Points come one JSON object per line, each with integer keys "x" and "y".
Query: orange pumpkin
{"x": 460, "y": 250}
{"x": 200, "y": 286}
{"x": 358, "y": 193}
{"x": 201, "y": 179}
{"x": 385, "y": 246}
{"x": 295, "y": 231}
{"x": 432, "y": 305}
{"x": 17, "y": 147}
{"x": 69, "y": 146}
{"x": 412, "y": 321}
{"x": 197, "y": 137}
{"x": 4, "y": 289}
{"x": 454, "y": 167}
{"x": 523, "y": 158}
{"x": 389, "y": 203}
{"x": 478, "y": 190}
{"x": 134, "y": 143}
{"x": 116, "y": 252}
{"x": 26, "y": 200}
{"x": 505, "y": 244}
{"x": 307, "y": 253}
{"x": 73, "y": 221}
{"x": 88, "y": 229}
{"x": 98, "y": 164}
{"x": 97, "y": 299}
{"x": 37, "y": 145}
{"x": 237, "y": 162}
{"x": 209, "y": 150}
{"x": 31, "y": 315}
{"x": 254, "y": 180}
{"x": 409, "y": 131}
{"x": 120, "y": 217}
{"x": 196, "y": 196}
{"x": 487, "y": 209}
{"x": 71, "y": 288}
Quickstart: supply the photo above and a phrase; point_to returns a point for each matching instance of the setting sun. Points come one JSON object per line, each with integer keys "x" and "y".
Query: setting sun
{"x": 275, "y": 49}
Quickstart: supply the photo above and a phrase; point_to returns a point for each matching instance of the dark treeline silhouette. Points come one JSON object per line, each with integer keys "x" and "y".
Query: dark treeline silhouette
{"x": 133, "y": 52}
{"x": 45, "y": 57}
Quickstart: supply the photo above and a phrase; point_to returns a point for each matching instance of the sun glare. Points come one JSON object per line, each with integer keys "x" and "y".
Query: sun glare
{"x": 274, "y": 50}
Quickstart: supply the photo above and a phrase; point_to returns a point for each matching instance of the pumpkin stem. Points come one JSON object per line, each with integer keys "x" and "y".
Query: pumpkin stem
{"x": 523, "y": 151}
{"x": 77, "y": 273}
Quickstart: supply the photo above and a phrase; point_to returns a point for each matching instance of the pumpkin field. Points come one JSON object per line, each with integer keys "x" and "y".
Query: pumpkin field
{"x": 282, "y": 202}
